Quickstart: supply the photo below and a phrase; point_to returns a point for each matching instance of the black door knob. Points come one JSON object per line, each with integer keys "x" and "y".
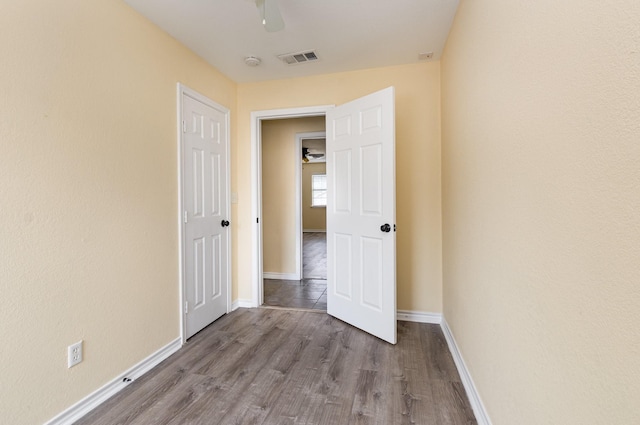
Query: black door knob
{"x": 385, "y": 228}
{"x": 224, "y": 223}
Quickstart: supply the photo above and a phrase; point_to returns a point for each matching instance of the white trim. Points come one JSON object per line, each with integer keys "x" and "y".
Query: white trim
{"x": 181, "y": 294}
{"x": 299, "y": 214}
{"x": 93, "y": 400}
{"x": 314, "y": 231}
{"x": 183, "y": 90}
{"x": 419, "y": 316}
{"x": 297, "y": 145}
{"x": 479, "y": 410}
{"x": 256, "y": 184}
{"x": 239, "y": 303}
{"x": 281, "y": 276}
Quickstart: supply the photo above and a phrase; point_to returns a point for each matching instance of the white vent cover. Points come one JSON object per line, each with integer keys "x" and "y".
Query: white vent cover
{"x": 298, "y": 57}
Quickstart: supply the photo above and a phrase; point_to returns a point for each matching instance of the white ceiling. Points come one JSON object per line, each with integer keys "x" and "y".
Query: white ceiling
{"x": 346, "y": 34}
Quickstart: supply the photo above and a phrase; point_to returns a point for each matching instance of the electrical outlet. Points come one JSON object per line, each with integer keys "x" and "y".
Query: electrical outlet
{"x": 74, "y": 354}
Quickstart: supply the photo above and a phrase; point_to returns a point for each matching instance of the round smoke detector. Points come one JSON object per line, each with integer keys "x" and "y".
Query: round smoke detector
{"x": 252, "y": 61}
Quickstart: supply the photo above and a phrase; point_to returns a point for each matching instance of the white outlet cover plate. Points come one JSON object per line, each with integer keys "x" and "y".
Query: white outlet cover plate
{"x": 74, "y": 354}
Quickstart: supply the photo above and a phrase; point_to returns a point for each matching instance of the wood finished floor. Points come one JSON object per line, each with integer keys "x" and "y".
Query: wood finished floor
{"x": 314, "y": 255}
{"x": 284, "y": 367}
{"x": 310, "y": 292}
{"x": 306, "y": 293}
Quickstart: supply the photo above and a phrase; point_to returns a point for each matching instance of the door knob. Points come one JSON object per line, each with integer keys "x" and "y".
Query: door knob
{"x": 224, "y": 223}
{"x": 385, "y": 228}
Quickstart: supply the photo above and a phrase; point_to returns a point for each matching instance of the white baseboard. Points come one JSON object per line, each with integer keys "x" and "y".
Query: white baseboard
{"x": 241, "y": 304}
{"x": 93, "y": 400}
{"x": 419, "y": 316}
{"x": 314, "y": 230}
{"x": 280, "y": 276}
{"x": 472, "y": 392}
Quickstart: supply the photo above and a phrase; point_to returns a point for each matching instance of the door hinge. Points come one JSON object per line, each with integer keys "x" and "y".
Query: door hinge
{"x": 184, "y": 126}
{"x": 257, "y": 219}
{"x": 186, "y": 307}
{"x": 186, "y": 217}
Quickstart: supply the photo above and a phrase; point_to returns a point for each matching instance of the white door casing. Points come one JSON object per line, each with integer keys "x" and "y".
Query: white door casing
{"x": 256, "y": 187}
{"x": 361, "y": 250}
{"x": 205, "y": 210}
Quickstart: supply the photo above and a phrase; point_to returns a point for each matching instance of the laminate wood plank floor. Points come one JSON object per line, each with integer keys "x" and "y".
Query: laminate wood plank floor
{"x": 276, "y": 367}
{"x": 310, "y": 292}
{"x": 305, "y": 293}
{"x": 314, "y": 255}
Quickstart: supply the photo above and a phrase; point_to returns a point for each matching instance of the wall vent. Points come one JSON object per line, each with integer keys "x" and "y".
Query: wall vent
{"x": 298, "y": 57}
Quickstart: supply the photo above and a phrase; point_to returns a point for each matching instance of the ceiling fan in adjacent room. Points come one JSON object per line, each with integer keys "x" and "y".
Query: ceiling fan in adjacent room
{"x": 310, "y": 154}
{"x": 270, "y": 15}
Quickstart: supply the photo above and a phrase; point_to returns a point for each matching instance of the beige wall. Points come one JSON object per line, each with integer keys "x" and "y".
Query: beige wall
{"x": 312, "y": 218}
{"x": 88, "y": 196}
{"x": 540, "y": 179}
{"x": 418, "y": 185}
{"x": 541, "y": 186}
{"x": 279, "y": 158}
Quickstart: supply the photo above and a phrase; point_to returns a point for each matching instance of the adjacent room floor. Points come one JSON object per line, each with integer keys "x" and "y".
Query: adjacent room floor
{"x": 268, "y": 366}
{"x": 310, "y": 292}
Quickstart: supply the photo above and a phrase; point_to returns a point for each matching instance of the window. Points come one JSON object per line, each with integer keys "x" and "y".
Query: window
{"x": 319, "y": 190}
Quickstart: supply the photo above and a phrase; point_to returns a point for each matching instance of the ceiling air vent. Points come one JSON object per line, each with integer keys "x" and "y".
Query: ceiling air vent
{"x": 299, "y": 57}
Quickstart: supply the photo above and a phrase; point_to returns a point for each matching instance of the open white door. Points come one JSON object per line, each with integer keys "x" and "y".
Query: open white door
{"x": 205, "y": 179}
{"x": 361, "y": 240}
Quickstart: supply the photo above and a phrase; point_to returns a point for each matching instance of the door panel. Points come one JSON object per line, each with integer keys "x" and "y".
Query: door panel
{"x": 198, "y": 182}
{"x": 206, "y": 241}
{"x": 342, "y": 186}
{"x": 343, "y": 265}
{"x": 216, "y": 256}
{"x": 371, "y": 181}
{"x": 198, "y": 272}
{"x": 371, "y": 266}
{"x": 361, "y": 258}
{"x": 216, "y": 176}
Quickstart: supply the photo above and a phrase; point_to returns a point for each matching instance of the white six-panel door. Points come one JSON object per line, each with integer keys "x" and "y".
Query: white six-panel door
{"x": 361, "y": 240}
{"x": 205, "y": 145}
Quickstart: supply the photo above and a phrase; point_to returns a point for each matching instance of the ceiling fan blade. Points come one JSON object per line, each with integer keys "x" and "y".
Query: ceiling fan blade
{"x": 270, "y": 14}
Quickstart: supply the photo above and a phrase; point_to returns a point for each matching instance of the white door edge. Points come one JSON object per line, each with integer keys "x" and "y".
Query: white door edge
{"x": 183, "y": 90}
{"x": 299, "y": 227}
{"x": 256, "y": 185}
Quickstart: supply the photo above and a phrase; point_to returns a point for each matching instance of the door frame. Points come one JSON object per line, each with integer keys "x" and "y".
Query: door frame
{"x": 183, "y": 90}
{"x": 299, "y": 224}
{"x": 256, "y": 185}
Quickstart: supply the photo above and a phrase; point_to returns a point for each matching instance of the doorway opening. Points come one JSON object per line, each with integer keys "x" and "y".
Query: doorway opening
{"x": 308, "y": 289}
{"x": 361, "y": 257}
{"x": 294, "y": 212}
{"x": 264, "y": 204}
